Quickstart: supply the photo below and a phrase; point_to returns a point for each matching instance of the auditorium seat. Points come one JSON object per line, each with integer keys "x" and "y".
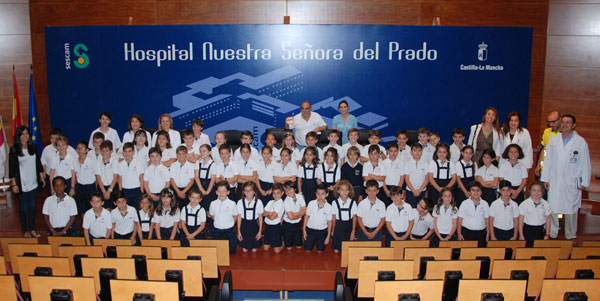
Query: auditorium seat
{"x": 278, "y": 132}
{"x": 233, "y": 139}
{"x": 323, "y": 141}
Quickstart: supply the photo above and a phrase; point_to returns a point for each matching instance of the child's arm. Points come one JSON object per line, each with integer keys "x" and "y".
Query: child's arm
{"x": 408, "y": 183}
{"x": 378, "y": 228}
{"x": 454, "y": 227}
{"x": 260, "y": 226}
{"x": 47, "y": 221}
{"x": 428, "y": 234}
{"x": 113, "y": 183}
{"x": 548, "y": 225}
{"x": 492, "y": 235}
{"x": 516, "y": 192}
{"x": 406, "y": 235}
{"x": 432, "y": 181}
{"x": 353, "y": 233}
{"x": 462, "y": 186}
{"x": 452, "y": 181}
{"x": 361, "y": 225}
{"x": 388, "y": 226}
{"x": 239, "y": 223}
{"x": 150, "y": 231}
{"x": 86, "y": 235}
{"x": 169, "y": 162}
{"x": 488, "y": 227}
{"x": 401, "y": 182}
{"x": 435, "y": 228}
{"x": 424, "y": 185}
{"x": 74, "y": 182}
{"x": 232, "y": 180}
{"x": 521, "y": 222}
{"x": 304, "y": 221}
{"x": 52, "y": 172}
{"x": 252, "y": 178}
{"x": 333, "y": 222}
{"x": 494, "y": 183}
{"x": 111, "y": 234}
{"x": 100, "y": 185}
{"x": 200, "y": 229}
{"x": 176, "y": 189}
{"x": 459, "y": 228}
{"x": 516, "y": 229}
{"x": 329, "y": 227}
{"x": 174, "y": 230}
{"x": 69, "y": 224}
{"x": 156, "y": 227}
{"x": 300, "y": 184}
{"x": 142, "y": 183}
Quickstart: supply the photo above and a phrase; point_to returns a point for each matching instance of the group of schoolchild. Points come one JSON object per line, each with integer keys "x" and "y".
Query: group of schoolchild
{"x": 287, "y": 197}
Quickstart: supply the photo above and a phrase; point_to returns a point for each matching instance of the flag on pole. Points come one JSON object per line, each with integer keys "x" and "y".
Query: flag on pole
{"x": 34, "y": 124}
{"x": 17, "y": 119}
{"x": 3, "y": 151}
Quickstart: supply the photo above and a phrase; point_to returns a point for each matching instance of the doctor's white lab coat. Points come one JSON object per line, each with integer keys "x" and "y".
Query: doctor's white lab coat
{"x": 566, "y": 168}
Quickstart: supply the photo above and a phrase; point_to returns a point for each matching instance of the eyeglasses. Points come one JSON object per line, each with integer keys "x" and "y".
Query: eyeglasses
{"x": 551, "y": 121}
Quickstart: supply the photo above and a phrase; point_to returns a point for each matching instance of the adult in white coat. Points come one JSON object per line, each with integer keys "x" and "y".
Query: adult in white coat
{"x": 567, "y": 171}
{"x": 514, "y": 133}
{"x": 486, "y": 135}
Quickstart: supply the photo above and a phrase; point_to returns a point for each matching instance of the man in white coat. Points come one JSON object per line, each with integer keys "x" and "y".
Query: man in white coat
{"x": 567, "y": 171}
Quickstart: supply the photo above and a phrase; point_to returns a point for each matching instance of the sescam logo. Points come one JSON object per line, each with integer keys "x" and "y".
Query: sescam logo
{"x": 81, "y": 61}
{"x": 482, "y": 56}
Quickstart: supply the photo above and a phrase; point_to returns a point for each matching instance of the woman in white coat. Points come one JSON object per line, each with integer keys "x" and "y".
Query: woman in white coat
{"x": 514, "y": 133}
{"x": 486, "y": 135}
{"x": 567, "y": 171}
{"x": 165, "y": 123}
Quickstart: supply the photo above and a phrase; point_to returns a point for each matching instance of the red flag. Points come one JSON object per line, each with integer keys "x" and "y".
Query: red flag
{"x": 17, "y": 119}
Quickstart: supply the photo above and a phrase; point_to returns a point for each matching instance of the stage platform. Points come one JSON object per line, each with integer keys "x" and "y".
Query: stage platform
{"x": 290, "y": 270}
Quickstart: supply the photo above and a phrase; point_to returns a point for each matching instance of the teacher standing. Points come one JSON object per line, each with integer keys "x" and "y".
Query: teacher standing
{"x": 26, "y": 176}
{"x": 344, "y": 121}
{"x": 486, "y": 135}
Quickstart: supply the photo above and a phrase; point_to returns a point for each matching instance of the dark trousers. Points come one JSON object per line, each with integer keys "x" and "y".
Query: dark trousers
{"x": 363, "y": 237}
{"x": 226, "y": 234}
{"x": 521, "y": 196}
{"x": 292, "y": 234}
{"x": 533, "y": 233}
{"x": 315, "y": 237}
{"x": 133, "y": 196}
{"x": 83, "y": 196}
{"x": 181, "y": 202}
{"x": 389, "y": 238}
{"x": 435, "y": 241}
{"x": 123, "y": 236}
{"x": 478, "y": 235}
{"x": 70, "y": 231}
{"x": 110, "y": 202}
{"x": 504, "y": 234}
{"x": 412, "y": 199}
{"x": 27, "y": 209}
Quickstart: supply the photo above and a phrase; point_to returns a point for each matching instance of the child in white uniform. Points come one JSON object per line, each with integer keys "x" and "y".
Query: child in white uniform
{"x": 514, "y": 171}
{"x": 266, "y": 170}
{"x": 441, "y": 172}
{"x": 224, "y": 212}
{"x": 317, "y": 221}
{"x": 274, "y": 211}
{"x": 371, "y": 214}
{"x": 166, "y": 217}
{"x": 344, "y": 215}
{"x": 399, "y": 218}
{"x": 145, "y": 213}
{"x": 415, "y": 175}
{"x": 250, "y": 218}
{"x": 423, "y": 227}
{"x": 295, "y": 208}
{"x": 124, "y": 219}
{"x": 131, "y": 175}
{"x": 488, "y": 176}
{"x": 107, "y": 173}
{"x": 504, "y": 215}
{"x": 473, "y": 217}
{"x": 96, "y": 221}
{"x": 156, "y": 177}
{"x": 394, "y": 169}
{"x": 445, "y": 215}
{"x": 534, "y": 222}
{"x": 193, "y": 218}
{"x": 182, "y": 174}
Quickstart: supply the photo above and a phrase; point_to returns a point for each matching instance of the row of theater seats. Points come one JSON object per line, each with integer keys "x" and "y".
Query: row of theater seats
{"x": 504, "y": 270}
{"x": 66, "y": 269}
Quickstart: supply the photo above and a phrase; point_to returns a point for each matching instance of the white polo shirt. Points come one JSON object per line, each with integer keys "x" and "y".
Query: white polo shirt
{"x": 275, "y": 155}
{"x": 474, "y": 216}
{"x": 444, "y": 171}
{"x": 308, "y": 171}
{"x": 274, "y": 206}
{"x": 404, "y": 154}
{"x": 247, "y": 168}
{"x": 535, "y": 215}
{"x": 97, "y": 225}
{"x": 293, "y": 206}
{"x": 302, "y": 127}
{"x": 206, "y": 170}
{"x": 166, "y": 220}
{"x": 417, "y": 172}
{"x": 454, "y": 153}
{"x": 228, "y": 171}
{"x": 266, "y": 171}
{"x": 247, "y": 214}
{"x": 204, "y": 139}
{"x": 285, "y": 170}
{"x": 111, "y": 135}
{"x": 445, "y": 218}
{"x": 254, "y": 154}
{"x": 371, "y": 213}
{"x": 124, "y": 223}
{"x": 364, "y": 152}
{"x": 344, "y": 210}
{"x": 157, "y": 177}
{"x": 193, "y": 216}
{"x": 318, "y": 216}
{"x": 224, "y": 213}
{"x": 215, "y": 154}
{"x": 515, "y": 174}
{"x": 85, "y": 171}
{"x": 422, "y": 223}
{"x": 59, "y": 211}
{"x": 345, "y": 147}
{"x": 378, "y": 170}
{"x": 168, "y": 154}
{"x": 428, "y": 151}
{"x": 504, "y": 214}
{"x": 487, "y": 173}
{"x": 182, "y": 174}
{"x": 142, "y": 155}
{"x": 464, "y": 169}
{"x": 393, "y": 171}
{"x": 143, "y": 216}
{"x": 399, "y": 217}
{"x": 50, "y": 152}
{"x": 130, "y": 173}
{"x": 329, "y": 174}
{"x": 63, "y": 167}
{"x": 107, "y": 171}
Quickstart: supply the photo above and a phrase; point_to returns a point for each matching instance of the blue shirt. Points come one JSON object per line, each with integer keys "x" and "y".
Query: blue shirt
{"x": 351, "y": 123}
{"x": 566, "y": 140}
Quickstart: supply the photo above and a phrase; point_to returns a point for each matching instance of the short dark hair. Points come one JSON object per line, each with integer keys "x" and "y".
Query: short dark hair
{"x": 55, "y": 131}
{"x": 221, "y": 184}
{"x": 128, "y": 145}
{"x": 107, "y": 114}
{"x": 569, "y": 116}
{"x": 106, "y": 144}
{"x": 504, "y": 183}
{"x": 392, "y": 144}
{"x": 514, "y": 145}
{"x": 98, "y": 135}
{"x": 58, "y": 178}
{"x": 188, "y": 132}
{"x": 475, "y": 184}
{"x": 459, "y": 131}
{"x": 321, "y": 186}
{"x": 372, "y": 183}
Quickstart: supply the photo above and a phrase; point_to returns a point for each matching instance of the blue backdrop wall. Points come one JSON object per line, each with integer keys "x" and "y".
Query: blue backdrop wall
{"x": 254, "y": 76}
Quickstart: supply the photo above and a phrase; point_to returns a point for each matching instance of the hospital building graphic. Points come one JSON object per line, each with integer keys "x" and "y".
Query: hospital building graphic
{"x": 256, "y": 103}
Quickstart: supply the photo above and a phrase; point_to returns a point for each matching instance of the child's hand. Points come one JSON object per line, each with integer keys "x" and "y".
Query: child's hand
{"x": 513, "y": 194}
{"x": 181, "y": 195}
{"x": 190, "y": 237}
{"x": 240, "y": 238}
{"x": 352, "y": 236}
{"x": 132, "y": 240}
{"x": 258, "y": 236}
{"x": 370, "y": 235}
{"x": 461, "y": 237}
{"x": 521, "y": 237}
{"x": 72, "y": 193}
{"x": 327, "y": 240}
{"x": 493, "y": 238}
{"x": 546, "y": 237}
{"x": 513, "y": 238}
{"x": 106, "y": 195}
{"x": 15, "y": 189}
{"x": 304, "y": 235}
{"x": 154, "y": 197}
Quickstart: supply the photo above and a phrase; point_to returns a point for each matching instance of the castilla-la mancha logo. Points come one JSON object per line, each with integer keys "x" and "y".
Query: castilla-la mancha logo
{"x": 482, "y": 53}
